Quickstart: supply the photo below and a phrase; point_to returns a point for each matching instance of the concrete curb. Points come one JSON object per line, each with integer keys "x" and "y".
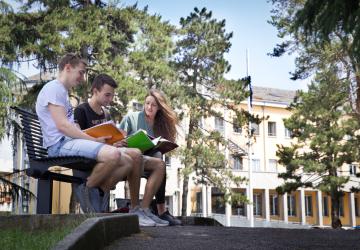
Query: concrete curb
{"x": 96, "y": 233}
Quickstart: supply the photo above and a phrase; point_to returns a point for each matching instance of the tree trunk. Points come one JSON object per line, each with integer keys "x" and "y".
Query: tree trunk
{"x": 186, "y": 177}
{"x": 184, "y": 195}
{"x": 335, "y": 219}
{"x": 358, "y": 93}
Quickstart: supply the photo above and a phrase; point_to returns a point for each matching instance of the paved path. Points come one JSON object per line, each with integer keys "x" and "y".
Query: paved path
{"x": 207, "y": 237}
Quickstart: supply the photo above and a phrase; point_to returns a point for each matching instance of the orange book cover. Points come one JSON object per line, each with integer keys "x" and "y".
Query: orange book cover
{"x": 107, "y": 129}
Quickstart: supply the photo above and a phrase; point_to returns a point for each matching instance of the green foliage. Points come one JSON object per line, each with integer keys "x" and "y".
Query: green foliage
{"x": 321, "y": 33}
{"x": 325, "y": 137}
{"x": 200, "y": 65}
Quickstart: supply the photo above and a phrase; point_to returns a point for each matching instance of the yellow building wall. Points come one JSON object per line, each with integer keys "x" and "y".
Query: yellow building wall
{"x": 327, "y": 219}
{"x": 314, "y": 219}
{"x": 345, "y": 220}
{"x": 61, "y": 194}
{"x": 358, "y": 205}
{"x": 261, "y": 193}
{"x": 193, "y": 198}
{"x": 298, "y": 211}
{"x": 276, "y": 217}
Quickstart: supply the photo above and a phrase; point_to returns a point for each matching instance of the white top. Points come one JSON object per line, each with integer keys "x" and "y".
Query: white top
{"x": 55, "y": 93}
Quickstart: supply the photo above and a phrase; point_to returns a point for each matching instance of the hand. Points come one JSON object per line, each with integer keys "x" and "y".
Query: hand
{"x": 122, "y": 143}
{"x": 103, "y": 139}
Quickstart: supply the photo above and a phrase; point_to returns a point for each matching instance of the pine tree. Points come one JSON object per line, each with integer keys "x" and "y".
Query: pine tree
{"x": 325, "y": 140}
{"x": 203, "y": 92}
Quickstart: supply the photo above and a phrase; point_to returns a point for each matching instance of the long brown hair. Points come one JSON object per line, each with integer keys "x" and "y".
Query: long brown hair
{"x": 165, "y": 119}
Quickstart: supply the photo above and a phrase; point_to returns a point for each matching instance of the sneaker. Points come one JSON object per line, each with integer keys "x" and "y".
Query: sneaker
{"x": 83, "y": 196}
{"x": 171, "y": 219}
{"x": 159, "y": 222}
{"x": 144, "y": 221}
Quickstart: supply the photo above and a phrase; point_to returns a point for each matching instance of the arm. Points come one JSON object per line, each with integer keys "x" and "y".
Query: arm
{"x": 69, "y": 129}
{"x": 79, "y": 117}
{"x": 126, "y": 125}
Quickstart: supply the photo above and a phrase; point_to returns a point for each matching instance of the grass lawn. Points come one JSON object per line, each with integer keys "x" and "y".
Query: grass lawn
{"x": 37, "y": 239}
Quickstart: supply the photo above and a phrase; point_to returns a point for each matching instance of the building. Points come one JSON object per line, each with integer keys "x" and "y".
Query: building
{"x": 305, "y": 206}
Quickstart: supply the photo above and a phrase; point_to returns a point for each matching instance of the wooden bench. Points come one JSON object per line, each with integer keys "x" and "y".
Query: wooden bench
{"x": 40, "y": 162}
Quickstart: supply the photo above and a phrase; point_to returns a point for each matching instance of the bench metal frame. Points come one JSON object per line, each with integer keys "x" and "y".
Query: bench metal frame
{"x": 40, "y": 162}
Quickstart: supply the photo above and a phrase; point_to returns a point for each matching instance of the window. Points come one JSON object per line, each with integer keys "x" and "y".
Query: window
{"x": 291, "y": 205}
{"x": 237, "y": 162}
{"x": 357, "y": 212}
{"x": 308, "y": 205}
{"x": 198, "y": 202}
{"x": 255, "y": 129}
{"x": 236, "y": 128}
{"x": 341, "y": 206}
{"x": 137, "y": 106}
{"x": 167, "y": 161}
{"x": 257, "y": 204}
{"x": 274, "y": 205}
{"x": 325, "y": 206}
{"x": 271, "y": 128}
{"x": 25, "y": 198}
{"x": 219, "y": 125}
{"x": 255, "y": 164}
{"x": 352, "y": 169}
{"x": 288, "y": 133}
{"x": 272, "y": 165}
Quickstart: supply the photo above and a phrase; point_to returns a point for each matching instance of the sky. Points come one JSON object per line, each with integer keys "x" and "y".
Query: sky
{"x": 247, "y": 19}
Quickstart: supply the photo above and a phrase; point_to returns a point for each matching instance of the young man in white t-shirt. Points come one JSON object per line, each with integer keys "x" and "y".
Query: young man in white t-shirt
{"x": 62, "y": 138}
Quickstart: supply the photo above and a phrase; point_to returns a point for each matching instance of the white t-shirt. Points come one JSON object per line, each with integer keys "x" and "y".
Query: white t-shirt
{"x": 55, "y": 93}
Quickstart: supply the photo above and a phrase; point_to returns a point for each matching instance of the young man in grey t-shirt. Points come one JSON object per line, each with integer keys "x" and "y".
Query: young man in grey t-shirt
{"x": 63, "y": 138}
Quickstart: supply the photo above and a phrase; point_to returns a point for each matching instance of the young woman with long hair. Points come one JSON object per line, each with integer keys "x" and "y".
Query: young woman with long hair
{"x": 158, "y": 119}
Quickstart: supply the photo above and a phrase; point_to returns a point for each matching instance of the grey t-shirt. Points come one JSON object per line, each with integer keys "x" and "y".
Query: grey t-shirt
{"x": 53, "y": 92}
{"x": 134, "y": 121}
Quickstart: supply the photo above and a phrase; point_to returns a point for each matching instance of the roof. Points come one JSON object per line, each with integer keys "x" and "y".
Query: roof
{"x": 273, "y": 95}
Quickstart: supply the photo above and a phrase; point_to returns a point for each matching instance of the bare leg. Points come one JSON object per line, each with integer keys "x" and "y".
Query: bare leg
{"x": 119, "y": 173}
{"x": 135, "y": 174}
{"x": 161, "y": 208}
{"x": 157, "y": 168}
{"x": 112, "y": 167}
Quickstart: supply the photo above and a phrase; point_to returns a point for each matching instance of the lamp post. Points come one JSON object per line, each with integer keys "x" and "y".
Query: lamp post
{"x": 250, "y": 206}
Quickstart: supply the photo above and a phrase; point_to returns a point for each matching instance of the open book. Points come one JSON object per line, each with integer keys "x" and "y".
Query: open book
{"x": 107, "y": 129}
{"x": 144, "y": 142}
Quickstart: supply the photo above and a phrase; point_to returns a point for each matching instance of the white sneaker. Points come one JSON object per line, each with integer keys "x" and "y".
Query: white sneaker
{"x": 144, "y": 221}
{"x": 159, "y": 222}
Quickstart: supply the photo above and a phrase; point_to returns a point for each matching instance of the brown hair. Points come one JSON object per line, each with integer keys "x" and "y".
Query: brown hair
{"x": 102, "y": 79}
{"x": 165, "y": 118}
{"x": 72, "y": 59}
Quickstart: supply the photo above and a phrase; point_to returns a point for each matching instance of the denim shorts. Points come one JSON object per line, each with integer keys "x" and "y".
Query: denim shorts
{"x": 67, "y": 146}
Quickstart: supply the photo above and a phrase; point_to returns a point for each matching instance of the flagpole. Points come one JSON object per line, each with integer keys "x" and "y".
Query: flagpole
{"x": 250, "y": 206}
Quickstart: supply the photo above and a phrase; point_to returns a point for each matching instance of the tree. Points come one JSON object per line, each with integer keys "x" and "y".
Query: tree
{"x": 203, "y": 92}
{"x": 109, "y": 37}
{"x": 308, "y": 27}
{"x": 324, "y": 129}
